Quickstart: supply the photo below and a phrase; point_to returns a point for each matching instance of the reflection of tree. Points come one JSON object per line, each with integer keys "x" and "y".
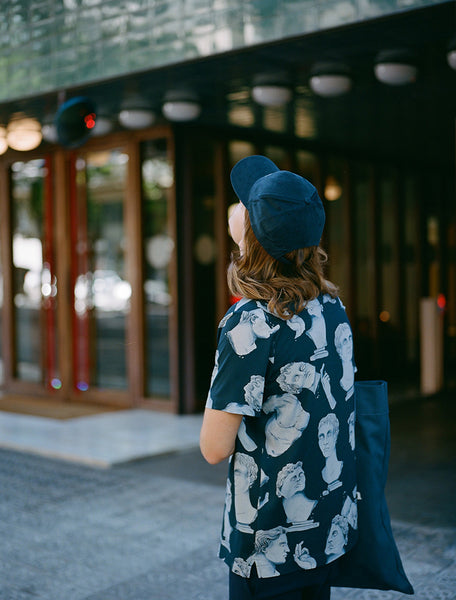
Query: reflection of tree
{"x": 154, "y": 210}
{"x": 36, "y": 201}
{"x": 104, "y": 181}
{"x": 157, "y": 178}
{"x": 28, "y": 195}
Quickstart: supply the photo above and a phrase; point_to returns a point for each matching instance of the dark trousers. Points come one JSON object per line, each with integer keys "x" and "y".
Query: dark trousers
{"x": 305, "y": 585}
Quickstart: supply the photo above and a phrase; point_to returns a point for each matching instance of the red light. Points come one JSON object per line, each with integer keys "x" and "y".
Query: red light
{"x": 89, "y": 120}
{"x": 441, "y": 301}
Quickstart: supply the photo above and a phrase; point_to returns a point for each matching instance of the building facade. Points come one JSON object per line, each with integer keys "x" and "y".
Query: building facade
{"x": 114, "y": 249}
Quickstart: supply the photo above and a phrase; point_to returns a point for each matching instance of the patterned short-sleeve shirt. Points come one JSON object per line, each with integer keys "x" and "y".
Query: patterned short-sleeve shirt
{"x": 291, "y": 489}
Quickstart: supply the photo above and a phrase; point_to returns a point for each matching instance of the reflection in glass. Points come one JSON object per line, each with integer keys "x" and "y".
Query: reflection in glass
{"x": 305, "y": 118}
{"x": 2, "y": 376}
{"x": 336, "y": 226}
{"x": 411, "y": 270}
{"x": 389, "y": 248}
{"x": 34, "y": 284}
{"x": 275, "y": 118}
{"x": 278, "y": 155}
{"x": 364, "y": 268}
{"x": 157, "y": 180}
{"x": 364, "y": 249}
{"x": 101, "y": 291}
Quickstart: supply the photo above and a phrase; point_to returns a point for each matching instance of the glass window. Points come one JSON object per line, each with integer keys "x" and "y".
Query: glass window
{"x": 279, "y": 156}
{"x": 236, "y": 151}
{"x": 204, "y": 260}
{"x": 34, "y": 285}
{"x": 411, "y": 269}
{"x": 2, "y": 372}
{"x": 364, "y": 248}
{"x": 335, "y": 200}
{"x": 157, "y": 182}
{"x": 365, "y": 323}
{"x": 390, "y": 328}
{"x": 307, "y": 165}
{"x": 275, "y": 119}
{"x": 389, "y": 257}
{"x": 101, "y": 290}
{"x": 239, "y": 149}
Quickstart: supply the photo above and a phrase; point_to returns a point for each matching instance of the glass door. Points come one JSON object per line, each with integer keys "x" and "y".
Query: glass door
{"x": 34, "y": 290}
{"x": 90, "y": 277}
{"x": 102, "y": 292}
{"x": 157, "y": 179}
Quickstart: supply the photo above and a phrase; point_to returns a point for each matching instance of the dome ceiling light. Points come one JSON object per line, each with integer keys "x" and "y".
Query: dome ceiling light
{"x": 396, "y": 67}
{"x": 451, "y": 55}
{"x": 333, "y": 189}
{"x": 103, "y": 125}
{"x": 330, "y": 79}
{"x": 136, "y": 113}
{"x": 23, "y": 133}
{"x": 181, "y": 105}
{"x": 3, "y": 142}
{"x": 271, "y": 90}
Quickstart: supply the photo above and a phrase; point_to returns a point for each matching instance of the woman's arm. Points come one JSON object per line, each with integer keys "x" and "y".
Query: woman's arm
{"x": 218, "y": 434}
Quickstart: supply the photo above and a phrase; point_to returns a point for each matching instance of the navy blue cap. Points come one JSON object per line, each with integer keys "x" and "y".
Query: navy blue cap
{"x": 285, "y": 210}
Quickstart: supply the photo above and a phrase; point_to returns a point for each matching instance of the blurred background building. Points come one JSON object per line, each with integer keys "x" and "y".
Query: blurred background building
{"x": 113, "y": 233}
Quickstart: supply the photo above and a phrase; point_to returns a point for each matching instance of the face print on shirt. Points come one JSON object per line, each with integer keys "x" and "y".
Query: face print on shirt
{"x": 337, "y": 538}
{"x": 343, "y": 341}
{"x": 245, "y": 475}
{"x": 351, "y": 430}
{"x": 251, "y": 326}
{"x": 328, "y": 431}
{"x": 226, "y": 528}
{"x": 297, "y": 325}
{"x": 253, "y": 397}
{"x": 287, "y": 423}
{"x": 291, "y": 483}
{"x": 350, "y": 511}
{"x": 296, "y": 376}
{"x": 271, "y": 549}
{"x": 254, "y": 392}
{"x": 317, "y": 331}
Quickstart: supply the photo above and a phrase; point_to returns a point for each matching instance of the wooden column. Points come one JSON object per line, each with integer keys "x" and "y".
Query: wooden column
{"x": 221, "y": 229}
{"x": 7, "y": 261}
{"x": 184, "y": 204}
{"x": 65, "y": 295}
{"x": 135, "y": 350}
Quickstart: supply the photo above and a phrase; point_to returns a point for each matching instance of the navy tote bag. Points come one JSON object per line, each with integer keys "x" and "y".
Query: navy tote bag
{"x": 374, "y": 562}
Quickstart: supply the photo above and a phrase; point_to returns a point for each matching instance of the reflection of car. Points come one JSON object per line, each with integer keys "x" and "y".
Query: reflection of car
{"x": 36, "y": 286}
{"x": 156, "y": 292}
{"x": 104, "y": 290}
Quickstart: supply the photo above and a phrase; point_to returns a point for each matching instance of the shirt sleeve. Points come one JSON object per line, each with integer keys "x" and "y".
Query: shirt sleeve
{"x": 245, "y": 345}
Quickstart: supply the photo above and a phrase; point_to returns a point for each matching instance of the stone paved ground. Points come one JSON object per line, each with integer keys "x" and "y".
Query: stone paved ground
{"x": 149, "y": 531}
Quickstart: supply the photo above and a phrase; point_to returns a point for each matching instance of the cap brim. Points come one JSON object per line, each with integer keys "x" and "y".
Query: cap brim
{"x": 247, "y": 171}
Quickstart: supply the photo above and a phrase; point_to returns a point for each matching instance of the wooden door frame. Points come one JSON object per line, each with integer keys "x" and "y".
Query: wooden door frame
{"x": 11, "y": 384}
{"x": 135, "y": 395}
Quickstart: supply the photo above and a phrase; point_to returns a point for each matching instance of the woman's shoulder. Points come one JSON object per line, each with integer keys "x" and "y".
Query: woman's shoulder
{"x": 250, "y": 314}
{"x": 246, "y": 309}
{"x": 326, "y": 303}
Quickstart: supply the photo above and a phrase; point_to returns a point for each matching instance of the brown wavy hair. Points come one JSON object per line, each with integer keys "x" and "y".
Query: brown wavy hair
{"x": 287, "y": 288}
